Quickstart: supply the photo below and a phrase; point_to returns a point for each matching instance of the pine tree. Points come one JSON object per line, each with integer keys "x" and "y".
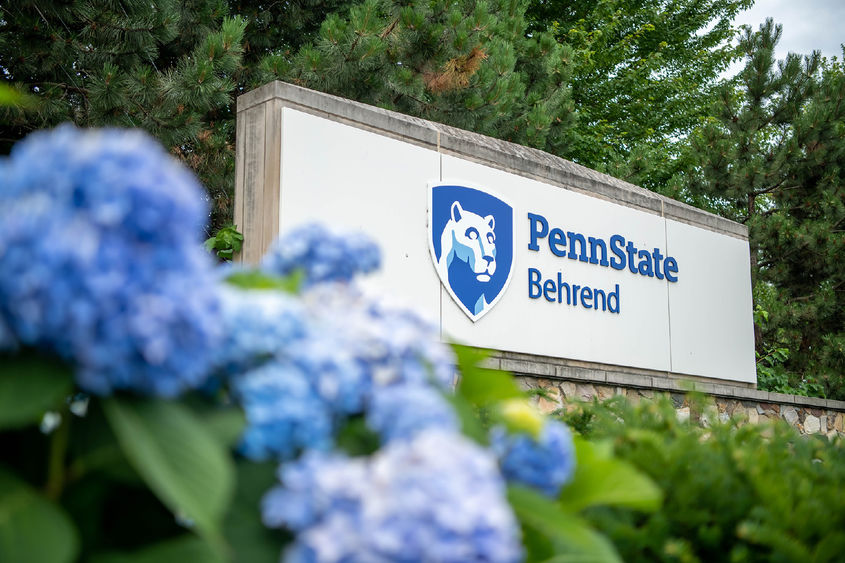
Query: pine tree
{"x": 168, "y": 67}
{"x": 280, "y": 28}
{"x": 609, "y": 84}
{"x": 468, "y": 64}
{"x": 773, "y": 157}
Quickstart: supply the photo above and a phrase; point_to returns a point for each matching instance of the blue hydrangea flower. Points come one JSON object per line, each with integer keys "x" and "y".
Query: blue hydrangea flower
{"x": 346, "y": 350}
{"x": 545, "y": 463}
{"x": 257, "y": 325}
{"x": 437, "y": 497}
{"x": 101, "y": 261}
{"x": 399, "y": 412}
{"x": 284, "y": 414}
{"x": 322, "y": 254}
{"x": 343, "y": 365}
{"x": 393, "y": 345}
{"x": 332, "y": 369}
{"x": 316, "y": 483}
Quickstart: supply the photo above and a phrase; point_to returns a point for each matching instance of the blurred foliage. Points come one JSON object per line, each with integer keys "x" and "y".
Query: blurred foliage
{"x": 133, "y": 480}
{"x": 553, "y": 530}
{"x": 732, "y": 491}
{"x": 117, "y": 479}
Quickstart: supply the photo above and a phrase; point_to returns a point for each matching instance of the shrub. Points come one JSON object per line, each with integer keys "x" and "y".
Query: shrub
{"x": 733, "y": 491}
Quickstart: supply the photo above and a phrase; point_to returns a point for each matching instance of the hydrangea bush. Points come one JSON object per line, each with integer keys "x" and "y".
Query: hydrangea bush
{"x": 434, "y": 497}
{"x": 101, "y": 263}
{"x": 157, "y": 388}
{"x": 545, "y": 461}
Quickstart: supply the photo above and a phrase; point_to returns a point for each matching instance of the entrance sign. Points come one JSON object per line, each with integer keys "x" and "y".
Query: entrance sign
{"x": 509, "y": 248}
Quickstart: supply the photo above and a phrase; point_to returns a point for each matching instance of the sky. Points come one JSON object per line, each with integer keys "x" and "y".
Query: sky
{"x": 807, "y": 24}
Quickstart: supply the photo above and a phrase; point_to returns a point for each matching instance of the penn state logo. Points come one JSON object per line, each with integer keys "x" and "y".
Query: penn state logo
{"x": 471, "y": 241}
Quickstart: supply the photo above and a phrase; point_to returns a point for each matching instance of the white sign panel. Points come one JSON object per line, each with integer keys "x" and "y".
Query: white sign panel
{"x": 515, "y": 264}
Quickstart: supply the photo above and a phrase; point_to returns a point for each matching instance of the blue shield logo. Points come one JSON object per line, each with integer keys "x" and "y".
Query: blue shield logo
{"x": 472, "y": 245}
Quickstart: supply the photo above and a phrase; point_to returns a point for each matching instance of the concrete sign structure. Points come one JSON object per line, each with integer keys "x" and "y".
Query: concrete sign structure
{"x": 511, "y": 248}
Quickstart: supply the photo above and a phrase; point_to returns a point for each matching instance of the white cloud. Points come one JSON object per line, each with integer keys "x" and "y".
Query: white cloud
{"x": 807, "y": 24}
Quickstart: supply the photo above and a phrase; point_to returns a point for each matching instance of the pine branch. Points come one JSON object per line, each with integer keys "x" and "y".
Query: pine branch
{"x": 65, "y": 86}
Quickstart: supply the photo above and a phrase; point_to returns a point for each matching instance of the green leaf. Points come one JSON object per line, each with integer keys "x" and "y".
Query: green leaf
{"x": 255, "y": 279}
{"x": 183, "y": 463}
{"x": 481, "y": 386}
{"x": 11, "y": 97}
{"x": 469, "y": 358}
{"x": 186, "y": 549}
{"x": 32, "y": 529}
{"x": 571, "y": 536}
{"x": 30, "y": 385}
{"x": 471, "y": 425}
{"x": 227, "y": 241}
{"x": 94, "y": 448}
{"x": 226, "y": 425}
{"x": 601, "y": 479}
{"x": 250, "y": 539}
{"x": 485, "y": 386}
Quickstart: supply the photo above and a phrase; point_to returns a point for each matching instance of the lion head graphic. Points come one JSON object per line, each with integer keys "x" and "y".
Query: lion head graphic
{"x": 468, "y": 255}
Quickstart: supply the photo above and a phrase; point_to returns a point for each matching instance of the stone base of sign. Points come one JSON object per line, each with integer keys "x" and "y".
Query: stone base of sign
{"x": 561, "y": 368}
{"x": 808, "y": 415}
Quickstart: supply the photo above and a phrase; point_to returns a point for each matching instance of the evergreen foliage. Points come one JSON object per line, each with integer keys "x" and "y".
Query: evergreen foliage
{"x": 167, "y": 67}
{"x": 467, "y": 64}
{"x": 613, "y": 85}
{"x": 771, "y": 157}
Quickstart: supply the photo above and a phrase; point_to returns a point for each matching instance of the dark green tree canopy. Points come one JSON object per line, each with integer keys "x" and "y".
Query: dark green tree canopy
{"x": 468, "y": 64}
{"x": 612, "y": 84}
{"x": 772, "y": 157}
{"x": 168, "y": 67}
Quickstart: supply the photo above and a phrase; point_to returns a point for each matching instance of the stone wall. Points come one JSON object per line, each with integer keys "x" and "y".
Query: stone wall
{"x": 568, "y": 380}
{"x": 808, "y": 415}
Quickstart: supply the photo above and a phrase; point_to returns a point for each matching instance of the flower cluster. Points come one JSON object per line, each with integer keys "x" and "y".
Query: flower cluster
{"x": 393, "y": 344}
{"x": 256, "y": 326}
{"x": 435, "y": 497}
{"x": 545, "y": 462}
{"x": 100, "y": 261}
{"x": 399, "y": 412}
{"x": 363, "y": 362}
{"x": 100, "y": 264}
{"x": 322, "y": 255}
{"x": 284, "y": 414}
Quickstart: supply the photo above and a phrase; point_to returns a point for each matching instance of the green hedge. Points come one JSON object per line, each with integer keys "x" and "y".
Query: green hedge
{"x": 732, "y": 491}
